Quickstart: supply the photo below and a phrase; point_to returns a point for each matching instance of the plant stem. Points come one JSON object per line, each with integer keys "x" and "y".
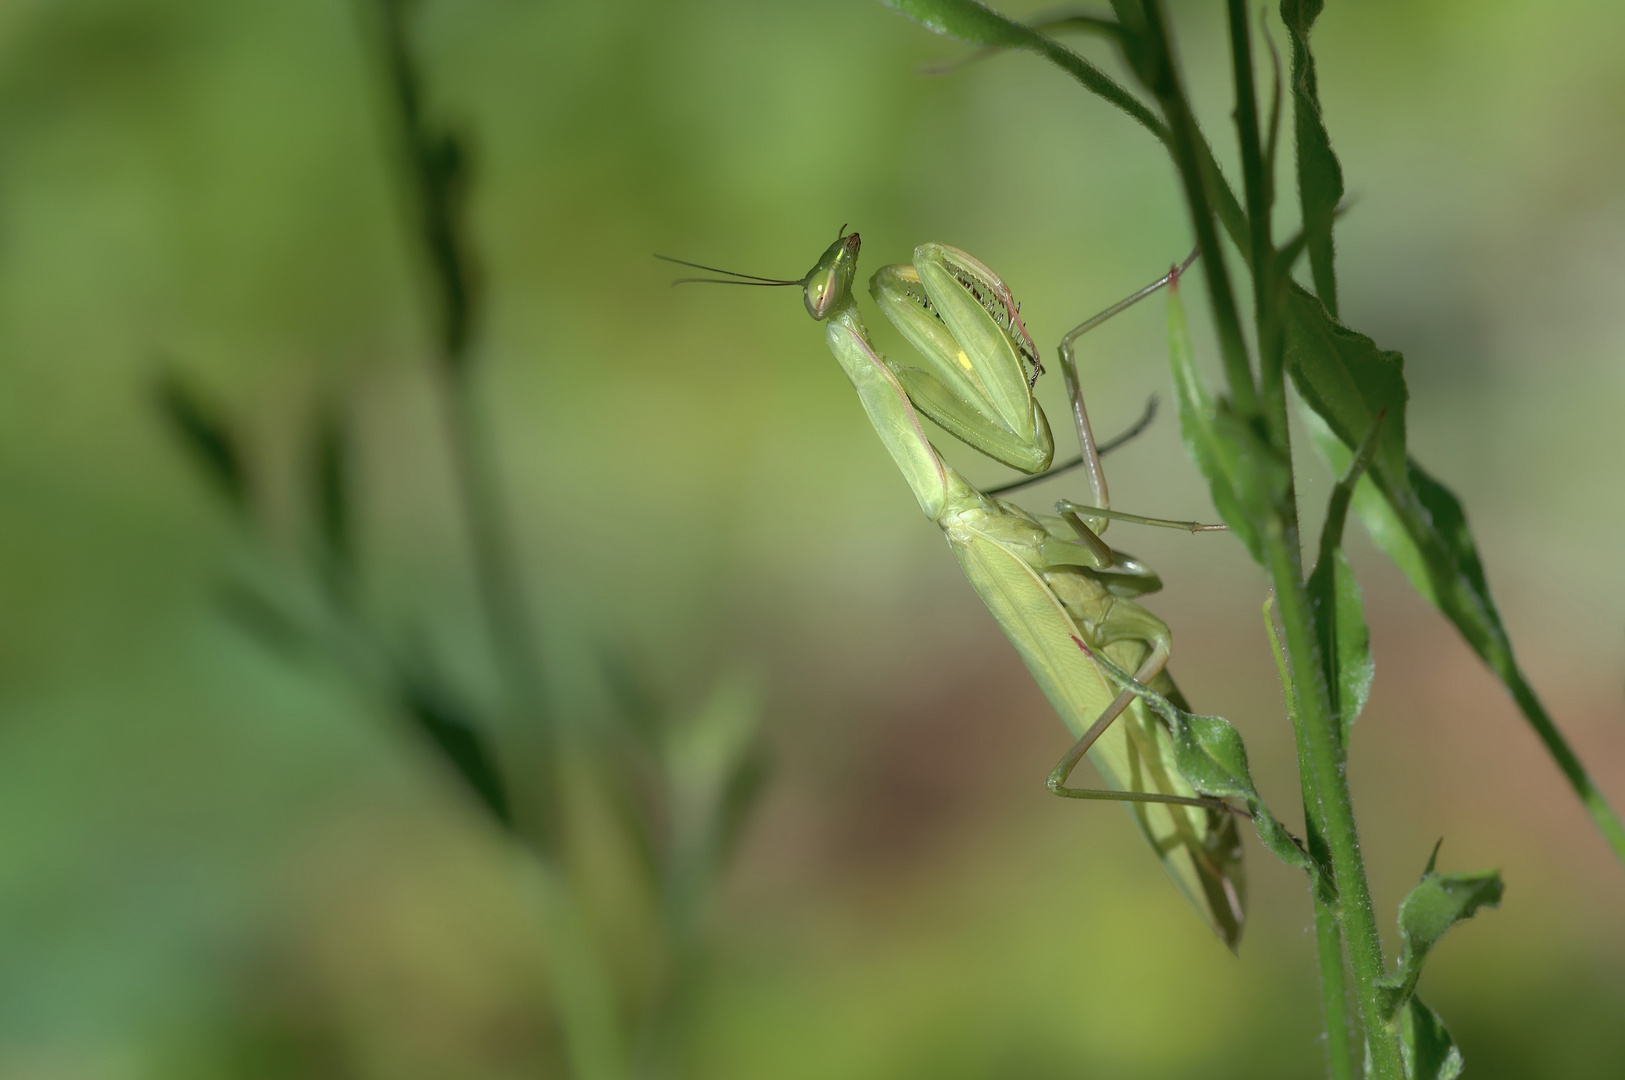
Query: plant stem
{"x": 586, "y": 1001}
{"x": 1326, "y": 786}
{"x": 496, "y": 572}
{"x": 1328, "y": 936}
{"x": 1333, "y": 992}
{"x": 434, "y": 171}
{"x": 1182, "y": 140}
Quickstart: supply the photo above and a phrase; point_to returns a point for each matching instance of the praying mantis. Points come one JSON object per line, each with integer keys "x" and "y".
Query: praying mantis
{"x": 1062, "y": 596}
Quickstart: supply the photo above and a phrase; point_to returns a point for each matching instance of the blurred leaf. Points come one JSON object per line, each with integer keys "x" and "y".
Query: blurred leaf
{"x": 1320, "y": 177}
{"x": 636, "y": 701}
{"x": 634, "y": 758}
{"x": 206, "y": 436}
{"x": 263, "y": 618}
{"x": 460, "y": 743}
{"x": 1438, "y": 902}
{"x": 1417, "y": 522}
{"x": 969, "y": 21}
{"x": 739, "y": 797}
{"x": 715, "y": 765}
{"x": 330, "y": 493}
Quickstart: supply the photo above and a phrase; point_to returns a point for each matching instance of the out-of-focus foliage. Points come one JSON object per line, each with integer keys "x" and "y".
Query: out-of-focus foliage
{"x": 216, "y": 863}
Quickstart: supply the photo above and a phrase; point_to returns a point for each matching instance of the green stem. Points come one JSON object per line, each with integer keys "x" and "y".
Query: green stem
{"x": 1333, "y": 992}
{"x": 431, "y": 158}
{"x": 1182, "y": 143}
{"x": 498, "y": 581}
{"x": 586, "y": 1001}
{"x": 1260, "y": 247}
{"x": 1328, "y": 935}
{"x": 1326, "y": 786}
{"x": 1328, "y": 789}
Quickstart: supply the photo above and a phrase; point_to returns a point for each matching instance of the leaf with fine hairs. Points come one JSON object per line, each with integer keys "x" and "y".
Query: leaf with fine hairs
{"x": 1438, "y": 902}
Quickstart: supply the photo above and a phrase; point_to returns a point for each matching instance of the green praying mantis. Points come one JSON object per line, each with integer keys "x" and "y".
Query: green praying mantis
{"x": 1063, "y": 597}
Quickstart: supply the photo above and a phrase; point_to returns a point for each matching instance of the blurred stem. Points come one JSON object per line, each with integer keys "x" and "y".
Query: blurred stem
{"x": 434, "y": 167}
{"x": 586, "y": 1002}
{"x": 1320, "y": 747}
{"x": 435, "y": 173}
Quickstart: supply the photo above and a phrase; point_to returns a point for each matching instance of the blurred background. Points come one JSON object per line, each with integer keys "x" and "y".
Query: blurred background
{"x": 217, "y": 861}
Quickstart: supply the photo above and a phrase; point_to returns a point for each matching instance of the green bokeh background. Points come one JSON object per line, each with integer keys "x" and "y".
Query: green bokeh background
{"x": 216, "y": 863}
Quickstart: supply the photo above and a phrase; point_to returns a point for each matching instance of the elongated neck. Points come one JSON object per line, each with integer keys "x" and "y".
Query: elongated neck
{"x": 894, "y": 417}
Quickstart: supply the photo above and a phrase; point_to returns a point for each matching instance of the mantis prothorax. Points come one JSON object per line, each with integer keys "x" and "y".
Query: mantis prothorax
{"x": 1060, "y": 594}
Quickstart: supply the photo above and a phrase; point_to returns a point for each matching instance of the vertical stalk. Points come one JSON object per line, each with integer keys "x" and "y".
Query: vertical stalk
{"x": 435, "y": 172}
{"x": 1330, "y": 792}
{"x": 1325, "y": 783}
{"x": 1271, "y": 347}
{"x": 1328, "y": 935}
{"x": 1183, "y": 141}
{"x": 1333, "y": 992}
{"x": 586, "y": 1003}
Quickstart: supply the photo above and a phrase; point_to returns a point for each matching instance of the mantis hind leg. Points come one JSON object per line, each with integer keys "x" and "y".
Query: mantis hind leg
{"x": 1150, "y": 669}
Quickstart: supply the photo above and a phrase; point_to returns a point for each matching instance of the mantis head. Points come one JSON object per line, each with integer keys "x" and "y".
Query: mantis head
{"x": 829, "y": 283}
{"x": 825, "y": 288}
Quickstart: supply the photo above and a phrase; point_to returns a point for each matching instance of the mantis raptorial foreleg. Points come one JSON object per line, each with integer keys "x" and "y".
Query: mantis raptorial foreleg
{"x": 1061, "y": 594}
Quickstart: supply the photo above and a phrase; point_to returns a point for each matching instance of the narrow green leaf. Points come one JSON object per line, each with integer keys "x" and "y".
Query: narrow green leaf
{"x": 966, "y": 20}
{"x": 1211, "y": 439}
{"x": 264, "y": 617}
{"x": 1320, "y": 177}
{"x": 710, "y": 757}
{"x": 1345, "y": 639}
{"x": 714, "y": 764}
{"x": 1349, "y": 382}
{"x": 460, "y": 744}
{"x": 1347, "y": 379}
{"x": 1438, "y": 902}
{"x": 330, "y": 494}
{"x": 206, "y": 436}
{"x": 972, "y": 22}
{"x": 1334, "y": 596}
